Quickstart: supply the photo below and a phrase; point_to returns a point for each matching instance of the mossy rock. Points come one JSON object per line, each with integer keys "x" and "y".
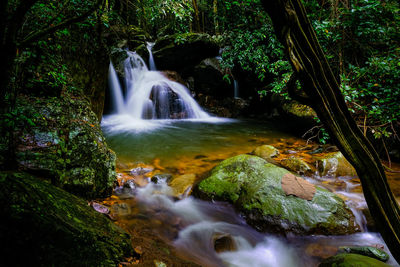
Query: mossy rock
{"x": 65, "y": 144}
{"x": 183, "y": 51}
{"x": 366, "y": 251}
{"x": 335, "y": 164}
{"x": 352, "y": 260}
{"x": 254, "y": 186}
{"x": 43, "y": 225}
{"x": 266, "y": 152}
{"x": 296, "y": 165}
{"x": 295, "y": 109}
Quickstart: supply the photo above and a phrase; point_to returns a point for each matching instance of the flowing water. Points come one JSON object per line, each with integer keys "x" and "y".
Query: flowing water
{"x": 150, "y": 94}
{"x": 144, "y": 141}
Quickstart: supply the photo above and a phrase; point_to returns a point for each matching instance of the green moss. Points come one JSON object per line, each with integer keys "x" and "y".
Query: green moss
{"x": 366, "y": 251}
{"x": 351, "y": 260}
{"x": 66, "y": 145}
{"x": 254, "y": 185}
{"x": 44, "y": 225}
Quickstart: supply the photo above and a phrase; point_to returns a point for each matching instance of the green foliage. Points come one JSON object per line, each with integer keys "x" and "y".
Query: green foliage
{"x": 255, "y": 48}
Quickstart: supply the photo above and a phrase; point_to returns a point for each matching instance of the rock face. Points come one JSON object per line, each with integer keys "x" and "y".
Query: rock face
{"x": 335, "y": 164}
{"x": 344, "y": 260}
{"x": 209, "y": 79}
{"x": 43, "y": 225}
{"x": 61, "y": 139}
{"x": 254, "y": 186}
{"x": 181, "y": 51}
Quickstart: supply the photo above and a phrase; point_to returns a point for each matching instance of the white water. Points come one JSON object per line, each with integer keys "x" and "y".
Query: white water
{"x": 150, "y": 95}
{"x": 201, "y": 221}
{"x": 117, "y": 98}
{"x": 151, "y": 59}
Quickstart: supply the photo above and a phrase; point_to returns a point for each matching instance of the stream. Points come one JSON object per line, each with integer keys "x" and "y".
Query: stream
{"x": 190, "y": 225}
{"x": 166, "y": 143}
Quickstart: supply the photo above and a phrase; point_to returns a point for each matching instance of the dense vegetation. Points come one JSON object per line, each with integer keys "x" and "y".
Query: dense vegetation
{"x": 55, "y": 57}
{"x": 360, "y": 39}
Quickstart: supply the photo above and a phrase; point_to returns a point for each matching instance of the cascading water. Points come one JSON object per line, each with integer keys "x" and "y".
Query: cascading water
{"x": 151, "y": 59}
{"x": 116, "y": 93}
{"x": 151, "y": 95}
{"x": 235, "y": 89}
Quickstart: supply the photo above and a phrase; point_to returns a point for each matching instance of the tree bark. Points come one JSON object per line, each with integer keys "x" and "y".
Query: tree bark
{"x": 215, "y": 14}
{"x": 295, "y": 32}
{"x": 196, "y": 16}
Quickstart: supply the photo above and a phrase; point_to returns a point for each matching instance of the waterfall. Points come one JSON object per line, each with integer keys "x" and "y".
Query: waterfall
{"x": 235, "y": 89}
{"x": 151, "y": 59}
{"x": 116, "y": 90}
{"x": 150, "y": 94}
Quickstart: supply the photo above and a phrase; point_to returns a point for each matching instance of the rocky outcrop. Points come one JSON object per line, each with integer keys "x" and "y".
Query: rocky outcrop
{"x": 209, "y": 80}
{"x": 183, "y": 51}
{"x": 61, "y": 139}
{"x": 254, "y": 186}
{"x": 43, "y": 225}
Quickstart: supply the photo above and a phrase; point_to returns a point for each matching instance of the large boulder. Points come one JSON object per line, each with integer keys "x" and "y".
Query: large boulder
{"x": 208, "y": 78}
{"x": 43, "y": 225}
{"x": 254, "y": 186}
{"x": 61, "y": 139}
{"x": 183, "y": 51}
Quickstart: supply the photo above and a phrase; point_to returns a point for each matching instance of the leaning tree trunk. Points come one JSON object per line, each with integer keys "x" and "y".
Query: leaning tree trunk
{"x": 295, "y": 32}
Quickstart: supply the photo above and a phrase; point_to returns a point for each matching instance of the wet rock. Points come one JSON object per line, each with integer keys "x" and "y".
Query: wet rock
{"x": 254, "y": 186}
{"x": 130, "y": 184}
{"x": 335, "y": 164}
{"x": 140, "y": 171}
{"x": 182, "y": 185}
{"x": 182, "y": 51}
{"x": 297, "y": 165}
{"x": 99, "y": 208}
{"x": 321, "y": 251}
{"x": 43, "y": 225}
{"x": 223, "y": 242}
{"x": 296, "y": 110}
{"x": 343, "y": 260}
{"x": 366, "y": 251}
{"x": 65, "y": 144}
{"x": 161, "y": 178}
{"x": 266, "y": 152}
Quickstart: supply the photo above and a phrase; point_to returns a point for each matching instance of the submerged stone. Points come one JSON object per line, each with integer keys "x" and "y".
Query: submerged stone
{"x": 254, "y": 186}
{"x": 43, "y": 225}
{"x": 348, "y": 260}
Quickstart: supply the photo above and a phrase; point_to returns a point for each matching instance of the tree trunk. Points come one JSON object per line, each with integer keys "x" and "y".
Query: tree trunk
{"x": 295, "y": 32}
{"x": 196, "y": 16}
{"x": 215, "y": 14}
